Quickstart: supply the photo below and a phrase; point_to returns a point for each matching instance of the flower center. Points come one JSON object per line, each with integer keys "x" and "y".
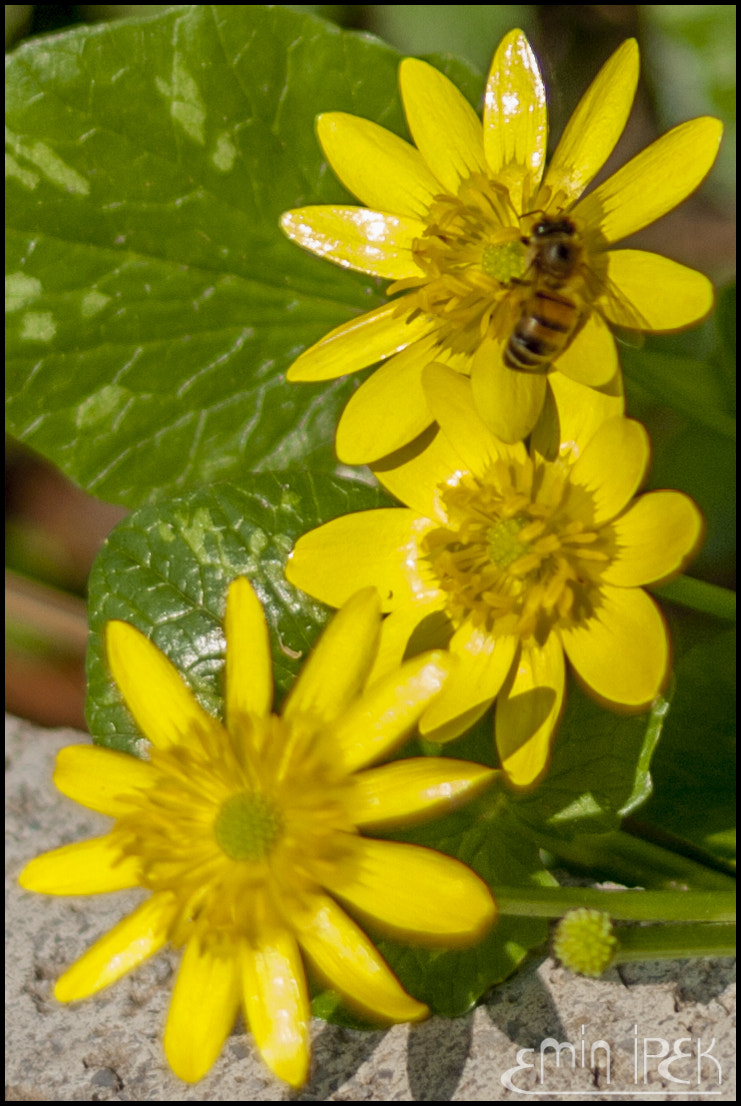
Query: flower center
{"x": 519, "y": 553}
{"x": 247, "y": 826}
{"x": 504, "y": 544}
{"x": 470, "y": 253}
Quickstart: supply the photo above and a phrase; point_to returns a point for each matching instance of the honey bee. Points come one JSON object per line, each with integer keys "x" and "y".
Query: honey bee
{"x": 549, "y": 315}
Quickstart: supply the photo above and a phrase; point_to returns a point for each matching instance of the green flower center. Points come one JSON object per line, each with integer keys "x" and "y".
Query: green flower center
{"x": 504, "y": 544}
{"x": 515, "y": 558}
{"x": 505, "y": 263}
{"x": 247, "y": 826}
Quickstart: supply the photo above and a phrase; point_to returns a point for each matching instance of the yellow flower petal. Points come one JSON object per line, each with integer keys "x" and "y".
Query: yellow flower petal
{"x": 622, "y": 653}
{"x": 338, "y": 665}
{"x": 276, "y": 1001}
{"x": 383, "y": 716}
{"x": 366, "y": 549}
{"x": 382, "y": 170}
{"x": 101, "y": 779}
{"x": 528, "y": 708}
{"x": 450, "y": 399}
{"x": 582, "y": 410}
{"x": 203, "y": 1008}
{"x": 445, "y": 128}
{"x": 592, "y": 132}
{"x": 666, "y": 294}
{"x": 654, "y": 181}
{"x": 409, "y": 790}
{"x": 654, "y": 538}
{"x": 484, "y": 661}
{"x": 515, "y": 118}
{"x": 132, "y": 941}
{"x": 422, "y": 623}
{"x": 356, "y": 238}
{"x": 352, "y": 965}
{"x": 612, "y": 466}
{"x": 374, "y": 422}
{"x": 82, "y": 868}
{"x": 361, "y": 342}
{"x": 164, "y": 708}
{"x": 249, "y": 662}
{"x": 417, "y": 893}
{"x": 591, "y": 358}
{"x": 509, "y": 402}
{"x": 419, "y": 476}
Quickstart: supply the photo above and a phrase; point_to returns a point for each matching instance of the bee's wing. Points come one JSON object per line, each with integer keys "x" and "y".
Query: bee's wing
{"x": 626, "y": 321}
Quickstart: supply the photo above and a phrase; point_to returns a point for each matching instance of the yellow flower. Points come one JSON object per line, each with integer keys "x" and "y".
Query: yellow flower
{"x": 514, "y": 560}
{"x": 246, "y": 833}
{"x": 483, "y": 239}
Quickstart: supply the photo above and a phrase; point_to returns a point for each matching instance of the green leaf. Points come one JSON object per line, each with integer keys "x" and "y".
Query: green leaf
{"x": 695, "y": 794}
{"x": 155, "y": 303}
{"x": 166, "y": 569}
{"x": 599, "y": 769}
{"x": 690, "y": 386}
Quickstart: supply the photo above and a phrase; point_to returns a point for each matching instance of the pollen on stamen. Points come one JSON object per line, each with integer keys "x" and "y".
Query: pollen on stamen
{"x": 505, "y": 262}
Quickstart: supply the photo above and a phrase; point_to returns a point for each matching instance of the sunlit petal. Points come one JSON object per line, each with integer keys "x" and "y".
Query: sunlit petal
{"x": 654, "y": 538}
{"x": 374, "y": 423}
{"x": 582, "y": 410}
{"x": 417, "y": 475}
{"x": 384, "y": 715}
{"x": 422, "y": 623}
{"x": 82, "y": 868}
{"x": 164, "y": 708}
{"x": 356, "y": 238}
{"x": 339, "y": 664}
{"x": 132, "y": 941}
{"x": 351, "y": 964}
{"x": 612, "y": 466}
{"x": 592, "y": 132}
{"x": 369, "y": 338}
{"x": 591, "y": 358}
{"x": 277, "y": 1006}
{"x": 515, "y": 118}
{"x": 101, "y": 779}
{"x": 483, "y": 663}
{"x": 622, "y": 652}
{"x": 666, "y": 294}
{"x": 445, "y": 128}
{"x": 411, "y": 789}
{"x": 249, "y": 663}
{"x": 382, "y": 170}
{"x": 204, "y": 1005}
{"x": 355, "y": 551}
{"x": 654, "y": 181}
{"x": 450, "y": 399}
{"x": 416, "y": 893}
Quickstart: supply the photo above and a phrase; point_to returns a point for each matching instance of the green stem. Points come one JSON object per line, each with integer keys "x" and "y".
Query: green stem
{"x": 699, "y": 596}
{"x": 673, "y": 942}
{"x": 640, "y": 906}
{"x": 624, "y": 858}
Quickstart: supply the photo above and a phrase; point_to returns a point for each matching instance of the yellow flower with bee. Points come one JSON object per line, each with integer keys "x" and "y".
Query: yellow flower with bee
{"x": 506, "y": 269}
